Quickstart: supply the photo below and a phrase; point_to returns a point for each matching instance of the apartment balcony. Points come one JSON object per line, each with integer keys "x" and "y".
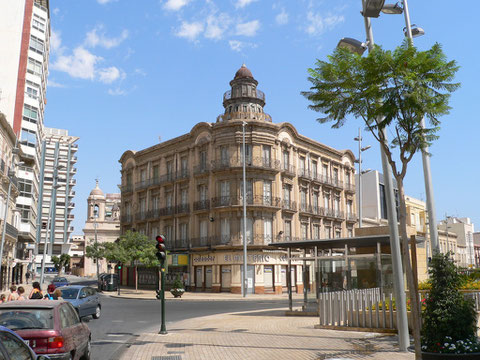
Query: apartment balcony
{"x": 257, "y": 200}
{"x": 71, "y": 194}
{"x": 70, "y": 216}
{"x": 126, "y": 188}
{"x": 289, "y": 205}
{"x": 71, "y": 205}
{"x": 349, "y": 187}
{"x": 73, "y": 159}
{"x": 142, "y": 184}
{"x": 305, "y": 208}
{"x": 260, "y": 163}
{"x": 73, "y": 181}
{"x": 126, "y": 219}
{"x": 304, "y": 174}
{"x": 141, "y": 216}
{"x": 166, "y": 211}
{"x": 70, "y": 229}
{"x": 337, "y": 183}
{"x": 182, "y": 175}
{"x": 202, "y": 169}
{"x": 351, "y": 217}
{"x": 182, "y": 209}
{"x": 11, "y": 230}
{"x": 288, "y": 170}
{"x": 200, "y": 242}
{"x": 201, "y": 205}
{"x": 179, "y": 244}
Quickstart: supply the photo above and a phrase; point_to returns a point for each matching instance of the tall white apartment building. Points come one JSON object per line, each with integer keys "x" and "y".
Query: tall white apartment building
{"x": 56, "y": 193}
{"x": 25, "y": 39}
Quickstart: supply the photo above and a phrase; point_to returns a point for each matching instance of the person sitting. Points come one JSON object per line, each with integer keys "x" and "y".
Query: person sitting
{"x": 50, "y": 295}
{"x": 21, "y": 293}
{"x": 13, "y": 293}
{"x": 58, "y": 294}
{"x": 36, "y": 293}
{"x": 3, "y": 298}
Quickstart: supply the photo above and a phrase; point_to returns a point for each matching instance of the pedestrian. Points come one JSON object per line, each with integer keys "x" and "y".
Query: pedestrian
{"x": 21, "y": 293}
{"x": 13, "y": 293}
{"x": 27, "y": 276}
{"x": 50, "y": 293}
{"x": 36, "y": 292}
{"x": 58, "y": 294}
{"x": 3, "y": 298}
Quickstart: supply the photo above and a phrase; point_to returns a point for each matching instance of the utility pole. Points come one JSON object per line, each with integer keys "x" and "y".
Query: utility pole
{"x": 244, "y": 277}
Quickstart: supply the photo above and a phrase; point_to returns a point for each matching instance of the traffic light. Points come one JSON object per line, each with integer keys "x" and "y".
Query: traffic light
{"x": 161, "y": 249}
{"x": 119, "y": 266}
{"x": 159, "y": 294}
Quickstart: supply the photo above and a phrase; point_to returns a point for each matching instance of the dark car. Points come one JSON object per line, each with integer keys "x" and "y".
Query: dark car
{"x": 13, "y": 347}
{"x": 84, "y": 299}
{"x": 49, "y": 327}
{"x": 60, "y": 281}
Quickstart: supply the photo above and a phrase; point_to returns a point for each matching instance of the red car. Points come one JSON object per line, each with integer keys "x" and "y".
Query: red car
{"x": 49, "y": 327}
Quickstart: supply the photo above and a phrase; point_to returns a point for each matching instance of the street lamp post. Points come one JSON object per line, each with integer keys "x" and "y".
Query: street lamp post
{"x": 11, "y": 174}
{"x": 244, "y": 277}
{"x": 95, "y": 214}
{"x": 360, "y": 189}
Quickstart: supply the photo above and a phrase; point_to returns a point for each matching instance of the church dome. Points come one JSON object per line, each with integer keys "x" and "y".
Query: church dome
{"x": 243, "y": 72}
{"x": 97, "y": 191}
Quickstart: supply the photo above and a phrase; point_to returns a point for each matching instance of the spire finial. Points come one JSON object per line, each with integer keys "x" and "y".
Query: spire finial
{"x": 243, "y": 64}
{"x": 96, "y": 183}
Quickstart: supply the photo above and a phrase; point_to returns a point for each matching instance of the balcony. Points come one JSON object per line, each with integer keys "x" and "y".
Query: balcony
{"x": 349, "y": 187}
{"x": 127, "y": 188}
{"x": 180, "y": 244}
{"x": 288, "y": 170}
{"x": 141, "y": 216}
{"x": 74, "y": 182}
{"x": 11, "y": 230}
{"x": 251, "y": 163}
{"x": 257, "y": 95}
{"x": 71, "y": 205}
{"x": 289, "y": 205}
{"x": 244, "y": 115}
{"x": 351, "y": 217}
{"x": 304, "y": 174}
{"x": 201, "y": 205}
{"x": 201, "y": 169}
{"x": 200, "y": 242}
{"x": 126, "y": 219}
{"x": 143, "y": 184}
{"x": 257, "y": 200}
{"x": 182, "y": 175}
{"x": 182, "y": 209}
{"x": 305, "y": 208}
{"x": 166, "y": 211}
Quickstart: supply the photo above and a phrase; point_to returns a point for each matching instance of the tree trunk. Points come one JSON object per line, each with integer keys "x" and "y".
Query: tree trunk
{"x": 136, "y": 278}
{"x": 412, "y": 286}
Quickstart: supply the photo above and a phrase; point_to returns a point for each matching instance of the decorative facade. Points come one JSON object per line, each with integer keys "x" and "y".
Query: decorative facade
{"x": 190, "y": 189}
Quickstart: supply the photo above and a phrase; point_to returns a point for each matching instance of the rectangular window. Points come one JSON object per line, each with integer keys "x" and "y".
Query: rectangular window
{"x": 267, "y": 230}
{"x": 249, "y": 191}
{"x": 316, "y": 232}
{"x": 32, "y": 90}
{"x": 169, "y": 232}
{"x": 267, "y": 192}
{"x": 286, "y": 160}
{"x": 155, "y": 202}
{"x": 288, "y": 230}
{"x": 36, "y": 44}
{"x": 203, "y": 232}
{"x": 325, "y": 170}
{"x": 304, "y": 229}
{"x": 249, "y": 230}
{"x": 315, "y": 202}
{"x": 129, "y": 179}
{"x": 169, "y": 168}
{"x": 248, "y": 152}
{"x": 203, "y": 192}
{"x": 338, "y": 233}
{"x": 326, "y": 199}
{"x": 143, "y": 205}
{"x": 143, "y": 175}
{"x": 28, "y": 137}
{"x": 225, "y": 230}
{"x": 169, "y": 200}
{"x": 40, "y": 26}
{"x": 314, "y": 169}
{"x": 303, "y": 199}
{"x": 224, "y": 156}
{"x": 30, "y": 113}
{"x": 302, "y": 165}
{"x": 34, "y": 67}
{"x": 337, "y": 204}
{"x": 184, "y": 162}
{"x": 184, "y": 195}
{"x": 267, "y": 155}
{"x": 328, "y": 232}
{"x": 287, "y": 194}
{"x": 350, "y": 207}
{"x": 184, "y": 231}
{"x": 156, "y": 173}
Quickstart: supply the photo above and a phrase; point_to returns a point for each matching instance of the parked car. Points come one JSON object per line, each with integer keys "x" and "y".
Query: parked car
{"x": 13, "y": 347}
{"x": 84, "y": 299}
{"x": 49, "y": 327}
{"x": 60, "y": 281}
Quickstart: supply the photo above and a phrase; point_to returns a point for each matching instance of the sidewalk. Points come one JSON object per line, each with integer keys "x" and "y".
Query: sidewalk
{"x": 260, "y": 335}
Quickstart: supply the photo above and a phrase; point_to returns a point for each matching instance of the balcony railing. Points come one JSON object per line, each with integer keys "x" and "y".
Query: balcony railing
{"x": 142, "y": 184}
{"x": 182, "y": 208}
{"x": 257, "y": 95}
{"x": 126, "y": 219}
{"x": 140, "y": 216}
{"x": 244, "y": 115}
{"x": 288, "y": 169}
{"x": 257, "y": 200}
{"x": 201, "y": 205}
{"x": 289, "y": 205}
{"x": 201, "y": 169}
{"x": 11, "y": 230}
{"x": 237, "y": 162}
{"x": 127, "y": 188}
{"x": 349, "y": 187}
{"x": 351, "y": 217}
{"x": 182, "y": 174}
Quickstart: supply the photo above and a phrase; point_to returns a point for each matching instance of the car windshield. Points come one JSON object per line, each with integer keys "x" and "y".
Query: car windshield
{"x": 17, "y": 319}
{"x": 69, "y": 293}
{"x": 59, "y": 279}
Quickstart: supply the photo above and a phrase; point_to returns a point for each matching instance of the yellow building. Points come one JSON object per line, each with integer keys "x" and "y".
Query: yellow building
{"x": 190, "y": 189}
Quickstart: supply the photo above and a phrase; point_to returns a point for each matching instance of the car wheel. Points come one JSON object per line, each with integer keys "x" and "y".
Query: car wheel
{"x": 98, "y": 311}
{"x": 88, "y": 350}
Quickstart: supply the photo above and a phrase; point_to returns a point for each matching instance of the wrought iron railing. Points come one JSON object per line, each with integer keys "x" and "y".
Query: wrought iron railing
{"x": 201, "y": 205}
{"x": 288, "y": 169}
{"x": 257, "y": 200}
{"x": 237, "y": 162}
{"x": 258, "y": 94}
{"x": 201, "y": 169}
{"x": 289, "y": 205}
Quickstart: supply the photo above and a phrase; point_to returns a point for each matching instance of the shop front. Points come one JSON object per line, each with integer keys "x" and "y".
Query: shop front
{"x": 221, "y": 271}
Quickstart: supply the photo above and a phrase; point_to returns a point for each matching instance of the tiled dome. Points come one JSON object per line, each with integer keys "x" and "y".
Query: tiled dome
{"x": 243, "y": 72}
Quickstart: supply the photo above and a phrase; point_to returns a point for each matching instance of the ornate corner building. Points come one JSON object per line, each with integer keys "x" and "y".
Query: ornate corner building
{"x": 190, "y": 189}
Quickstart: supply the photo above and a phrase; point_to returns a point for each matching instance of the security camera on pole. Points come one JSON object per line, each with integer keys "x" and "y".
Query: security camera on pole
{"x": 162, "y": 256}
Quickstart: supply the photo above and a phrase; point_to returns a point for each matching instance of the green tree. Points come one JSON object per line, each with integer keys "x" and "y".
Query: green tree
{"x": 61, "y": 262}
{"x": 390, "y": 91}
{"x": 96, "y": 250}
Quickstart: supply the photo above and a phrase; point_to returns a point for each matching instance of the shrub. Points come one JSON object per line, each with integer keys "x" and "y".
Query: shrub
{"x": 177, "y": 284}
{"x": 449, "y": 319}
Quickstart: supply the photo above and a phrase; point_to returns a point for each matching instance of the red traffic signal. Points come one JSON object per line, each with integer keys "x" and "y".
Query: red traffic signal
{"x": 161, "y": 249}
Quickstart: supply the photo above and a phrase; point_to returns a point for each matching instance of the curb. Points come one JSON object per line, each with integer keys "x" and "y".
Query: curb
{"x": 191, "y": 299}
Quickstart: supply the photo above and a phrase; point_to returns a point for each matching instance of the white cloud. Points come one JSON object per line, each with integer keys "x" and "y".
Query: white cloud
{"x": 190, "y": 31}
{"x": 54, "y": 84}
{"x": 238, "y": 46}
{"x": 109, "y": 75}
{"x": 117, "y": 92}
{"x": 140, "y": 72}
{"x": 55, "y": 41}
{"x": 175, "y": 5}
{"x": 97, "y": 37}
{"x": 243, "y": 3}
{"x": 217, "y": 25}
{"x": 103, "y": 2}
{"x": 282, "y": 18}
{"x": 80, "y": 64}
{"x": 249, "y": 28}
{"x": 319, "y": 24}
{"x": 56, "y": 11}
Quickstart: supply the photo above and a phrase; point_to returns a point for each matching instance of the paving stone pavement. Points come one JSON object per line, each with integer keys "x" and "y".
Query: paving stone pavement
{"x": 260, "y": 335}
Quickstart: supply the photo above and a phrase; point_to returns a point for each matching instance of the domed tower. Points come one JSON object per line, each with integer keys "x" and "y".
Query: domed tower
{"x": 96, "y": 202}
{"x": 244, "y": 100}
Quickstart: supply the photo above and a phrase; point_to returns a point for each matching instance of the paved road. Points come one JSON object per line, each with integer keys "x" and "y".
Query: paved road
{"x": 122, "y": 320}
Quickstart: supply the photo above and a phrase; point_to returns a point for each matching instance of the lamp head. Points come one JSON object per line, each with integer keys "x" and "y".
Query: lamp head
{"x": 416, "y": 31}
{"x": 372, "y": 8}
{"x": 393, "y": 9}
{"x": 353, "y": 45}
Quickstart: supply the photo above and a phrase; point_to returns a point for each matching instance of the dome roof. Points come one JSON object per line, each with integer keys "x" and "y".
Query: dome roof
{"x": 243, "y": 72}
{"x": 97, "y": 191}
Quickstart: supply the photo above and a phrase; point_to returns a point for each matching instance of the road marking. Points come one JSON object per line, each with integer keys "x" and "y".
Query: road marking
{"x": 115, "y": 334}
{"x": 142, "y": 321}
{"x": 119, "y": 321}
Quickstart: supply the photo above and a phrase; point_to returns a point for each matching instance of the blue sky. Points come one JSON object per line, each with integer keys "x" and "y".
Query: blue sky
{"x": 125, "y": 73}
